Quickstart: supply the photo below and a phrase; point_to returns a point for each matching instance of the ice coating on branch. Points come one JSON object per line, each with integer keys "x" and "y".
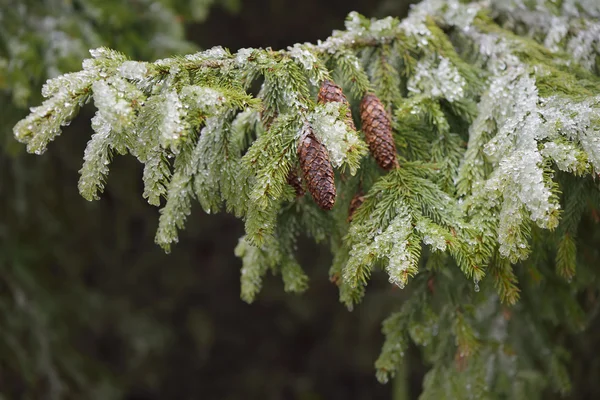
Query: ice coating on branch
{"x": 437, "y": 79}
{"x": 173, "y": 125}
{"x": 432, "y": 235}
{"x": 382, "y": 26}
{"x": 390, "y": 243}
{"x": 585, "y": 45}
{"x": 539, "y": 18}
{"x": 581, "y": 8}
{"x": 513, "y": 101}
{"x": 568, "y": 31}
{"x": 96, "y": 160}
{"x": 564, "y": 154}
{"x": 557, "y": 32}
{"x": 216, "y": 52}
{"x": 575, "y": 121}
{"x": 208, "y": 166}
{"x": 110, "y": 97}
{"x": 459, "y": 14}
{"x": 67, "y": 84}
{"x": 414, "y": 25}
{"x": 242, "y": 56}
{"x": 333, "y": 132}
{"x": 304, "y": 56}
{"x": 202, "y": 98}
{"x": 395, "y": 237}
{"x": 355, "y": 23}
{"x": 134, "y": 70}
{"x": 100, "y": 52}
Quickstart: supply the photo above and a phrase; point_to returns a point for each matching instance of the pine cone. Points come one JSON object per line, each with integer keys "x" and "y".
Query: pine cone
{"x": 317, "y": 169}
{"x": 356, "y": 202}
{"x": 294, "y": 181}
{"x": 377, "y": 128}
{"x": 329, "y": 92}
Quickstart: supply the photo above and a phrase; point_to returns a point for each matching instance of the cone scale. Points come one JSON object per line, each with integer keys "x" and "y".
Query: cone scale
{"x": 317, "y": 169}
{"x": 377, "y": 127}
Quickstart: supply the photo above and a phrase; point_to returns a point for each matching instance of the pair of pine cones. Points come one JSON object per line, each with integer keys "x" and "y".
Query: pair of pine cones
{"x": 313, "y": 156}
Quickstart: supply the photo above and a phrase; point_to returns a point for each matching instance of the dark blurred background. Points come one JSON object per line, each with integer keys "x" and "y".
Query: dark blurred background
{"x": 91, "y": 308}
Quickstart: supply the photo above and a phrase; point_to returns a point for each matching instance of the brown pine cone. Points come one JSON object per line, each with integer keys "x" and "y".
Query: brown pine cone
{"x": 317, "y": 169}
{"x": 377, "y": 128}
{"x": 330, "y": 92}
{"x": 356, "y": 202}
{"x": 294, "y": 181}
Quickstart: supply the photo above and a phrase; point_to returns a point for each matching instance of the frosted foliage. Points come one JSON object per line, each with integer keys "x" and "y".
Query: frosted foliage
{"x": 585, "y": 45}
{"x": 100, "y": 52}
{"x": 173, "y": 125}
{"x": 288, "y": 96}
{"x": 206, "y": 155}
{"x": 204, "y": 99}
{"x": 583, "y": 37}
{"x": 334, "y": 133}
{"x": 400, "y": 263}
{"x": 557, "y": 32}
{"x": 67, "y": 83}
{"x": 133, "y": 70}
{"x": 414, "y": 25}
{"x": 96, "y": 159}
{"x": 539, "y": 19}
{"x": 175, "y": 211}
{"x": 432, "y": 235}
{"x": 155, "y": 177}
{"x": 304, "y": 56}
{"x": 461, "y": 15}
{"x": 437, "y": 80}
{"x": 242, "y": 55}
{"x": 511, "y": 218}
{"x": 513, "y": 101}
{"x": 563, "y": 154}
{"x": 382, "y": 25}
{"x": 452, "y": 11}
{"x": 581, "y": 8}
{"x": 390, "y": 243}
{"x": 520, "y": 176}
{"x": 111, "y": 102}
{"x": 216, "y": 52}
{"x": 354, "y": 23}
{"x": 575, "y": 121}
{"x": 42, "y": 125}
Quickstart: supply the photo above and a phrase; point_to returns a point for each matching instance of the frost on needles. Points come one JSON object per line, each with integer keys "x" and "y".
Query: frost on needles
{"x": 495, "y": 108}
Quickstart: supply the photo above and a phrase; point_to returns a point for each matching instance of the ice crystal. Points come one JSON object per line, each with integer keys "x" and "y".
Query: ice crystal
{"x": 396, "y": 237}
{"x": 585, "y": 45}
{"x": 111, "y": 103}
{"x": 216, "y": 52}
{"x": 437, "y": 79}
{"x": 563, "y": 154}
{"x": 204, "y": 99}
{"x": 335, "y": 134}
{"x": 433, "y": 235}
{"x": 242, "y": 56}
{"x": 173, "y": 125}
{"x": 304, "y": 56}
{"x": 384, "y": 25}
{"x": 133, "y": 70}
{"x": 96, "y": 159}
